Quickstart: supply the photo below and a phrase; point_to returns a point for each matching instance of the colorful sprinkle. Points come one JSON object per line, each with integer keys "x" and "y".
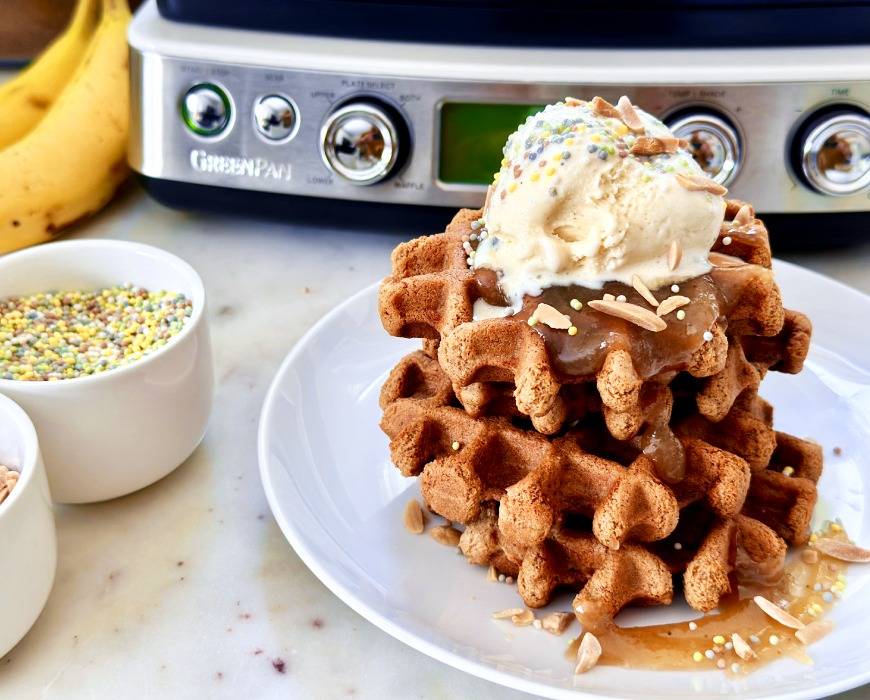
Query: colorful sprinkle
{"x": 64, "y": 335}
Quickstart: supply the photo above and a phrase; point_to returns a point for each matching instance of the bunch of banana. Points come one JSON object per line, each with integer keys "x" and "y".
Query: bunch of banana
{"x": 65, "y": 119}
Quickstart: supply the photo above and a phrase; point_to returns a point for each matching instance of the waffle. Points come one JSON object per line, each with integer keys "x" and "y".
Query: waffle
{"x": 609, "y": 579}
{"x": 465, "y": 461}
{"x": 526, "y": 499}
{"x": 716, "y": 554}
{"x": 431, "y": 294}
{"x": 645, "y": 464}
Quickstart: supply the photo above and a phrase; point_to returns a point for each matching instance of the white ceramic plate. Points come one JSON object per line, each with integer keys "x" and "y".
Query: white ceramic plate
{"x": 338, "y": 499}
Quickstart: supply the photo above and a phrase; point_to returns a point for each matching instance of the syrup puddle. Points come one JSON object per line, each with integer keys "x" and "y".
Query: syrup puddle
{"x": 806, "y": 589}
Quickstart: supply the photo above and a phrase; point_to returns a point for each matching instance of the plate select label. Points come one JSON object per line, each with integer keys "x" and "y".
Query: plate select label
{"x": 239, "y": 166}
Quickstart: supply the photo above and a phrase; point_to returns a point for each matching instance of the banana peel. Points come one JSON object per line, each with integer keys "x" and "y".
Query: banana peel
{"x": 72, "y": 161}
{"x": 26, "y": 99}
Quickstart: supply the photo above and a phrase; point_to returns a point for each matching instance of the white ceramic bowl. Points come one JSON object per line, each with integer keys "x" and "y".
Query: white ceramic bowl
{"x": 107, "y": 435}
{"x": 28, "y": 546}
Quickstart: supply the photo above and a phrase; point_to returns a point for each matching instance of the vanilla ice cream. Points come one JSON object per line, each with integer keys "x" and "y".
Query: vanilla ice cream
{"x": 572, "y": 205}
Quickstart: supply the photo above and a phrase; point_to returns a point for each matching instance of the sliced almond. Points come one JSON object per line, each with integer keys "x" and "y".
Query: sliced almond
{"x": 573, "y": 102}
{"x": 722, "y": 260}
{"x": 523, "y": 619}
{"x": 643, "y": 290}
{"x": 415, "y": 521}
{"x": 508, "y": 612}
{"x": 671, "y": 143}
{"x": 604, "y": 108}
{"x": 742, "y": 648}
{"x": 492, "y": 574}
{"x": 810, "y": 556}
{"x": 637, "y": 315}
{"x": 777, "y": 613}
{"x": 745, "y": 215}
{"x": 444, "y": 534}
{"x": 814, "y": 631}
{"x": 699, "y": 183}
{"x": 489, "y": 191}
{"x": 647, "y": 146}
{"x": 675, "y": 254}
{"x": 557, "y": 622}
{"x": 550, "y": 316}
{"x": 588, "y": 653}
{"x": 629, "y": 115}
{"x": 844, "y": 551}
{"x": 672, "y": 303}
{"x": 655, "y": 145}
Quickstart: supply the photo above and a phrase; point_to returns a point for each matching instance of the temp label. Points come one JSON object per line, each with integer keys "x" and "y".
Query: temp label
{"x": 238, "y": 166}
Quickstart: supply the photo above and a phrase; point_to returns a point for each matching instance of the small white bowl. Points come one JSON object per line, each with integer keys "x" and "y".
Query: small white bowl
{"x": 28, "y": 545}
{"x": 109, "y": 434}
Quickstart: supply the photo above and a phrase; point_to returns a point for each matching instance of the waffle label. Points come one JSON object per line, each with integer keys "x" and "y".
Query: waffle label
{"x": 238, "y": 166}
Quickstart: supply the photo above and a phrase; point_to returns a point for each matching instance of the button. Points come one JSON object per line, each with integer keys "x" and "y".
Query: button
{"x": 276, "y": 118}
{"x": 713, "y": 143}
{"x": 360, "y": 142}
{"x": 206, "y": 109}
{"x": 835, "y": 153}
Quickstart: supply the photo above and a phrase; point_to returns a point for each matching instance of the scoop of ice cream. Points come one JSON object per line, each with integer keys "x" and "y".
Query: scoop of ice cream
{"x": 572, "y": 204}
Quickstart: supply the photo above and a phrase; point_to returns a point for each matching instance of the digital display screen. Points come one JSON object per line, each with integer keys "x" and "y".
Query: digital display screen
{"x": 472, "y": 136}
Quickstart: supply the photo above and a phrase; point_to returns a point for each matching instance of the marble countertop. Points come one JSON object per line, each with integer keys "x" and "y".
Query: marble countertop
{"x": 187, "y": 589}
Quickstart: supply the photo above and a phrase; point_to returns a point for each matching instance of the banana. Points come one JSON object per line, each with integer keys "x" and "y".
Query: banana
{"x": 25, "y": 99}
{"x": 74, "y": 159}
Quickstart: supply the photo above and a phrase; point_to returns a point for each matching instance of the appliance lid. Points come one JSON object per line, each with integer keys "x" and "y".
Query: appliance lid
{"x": 554, "y": 23}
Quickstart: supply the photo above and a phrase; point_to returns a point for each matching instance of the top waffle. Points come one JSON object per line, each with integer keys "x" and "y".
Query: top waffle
{"x": 504, "y": 366}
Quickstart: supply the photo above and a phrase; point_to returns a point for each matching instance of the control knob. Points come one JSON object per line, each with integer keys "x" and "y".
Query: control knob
{"x": 713, "y": 142}
{"x": 206, "y": 109}
{"x": 362, "y": 141}
{"x": 276, "y": 117}
{"x": 832, "y": 151}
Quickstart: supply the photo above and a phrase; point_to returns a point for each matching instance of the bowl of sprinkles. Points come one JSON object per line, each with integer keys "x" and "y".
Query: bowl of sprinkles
{"x": 57, "y": 335}
{"x": 28, "y": 544}
{"x": 106, "y": 345}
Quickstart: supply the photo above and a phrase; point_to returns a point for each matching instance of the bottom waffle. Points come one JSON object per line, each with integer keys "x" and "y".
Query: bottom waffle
{"x": 586, "y": 512}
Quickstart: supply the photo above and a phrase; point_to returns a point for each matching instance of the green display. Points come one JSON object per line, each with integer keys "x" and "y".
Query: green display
{"x": 472, "y": 136}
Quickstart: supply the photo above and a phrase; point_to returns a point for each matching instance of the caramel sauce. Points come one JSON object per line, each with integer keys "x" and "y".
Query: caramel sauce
{"x": 655, "y": 355}
{"x": 581, "y": 356}
{"x": 657, "y": 441}
{"x": 674, "y": 646}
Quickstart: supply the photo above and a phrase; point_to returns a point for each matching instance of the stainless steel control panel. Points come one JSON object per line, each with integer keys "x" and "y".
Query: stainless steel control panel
{"x": 787, "y": 147}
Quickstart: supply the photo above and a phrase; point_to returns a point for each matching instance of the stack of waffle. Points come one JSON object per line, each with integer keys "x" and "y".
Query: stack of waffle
{"x": 611, "y": 460}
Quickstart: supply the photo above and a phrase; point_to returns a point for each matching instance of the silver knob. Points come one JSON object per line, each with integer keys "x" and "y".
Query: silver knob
{"x": 276, "y": 118}
{"x": 206, "y": 109}
{"x": 360, "y": 142}
{"x": 713, "y": 143}
{"x": 835, "y": 155}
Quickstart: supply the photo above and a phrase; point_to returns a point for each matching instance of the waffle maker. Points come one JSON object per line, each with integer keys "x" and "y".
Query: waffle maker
{"x": 275, "y": 106}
